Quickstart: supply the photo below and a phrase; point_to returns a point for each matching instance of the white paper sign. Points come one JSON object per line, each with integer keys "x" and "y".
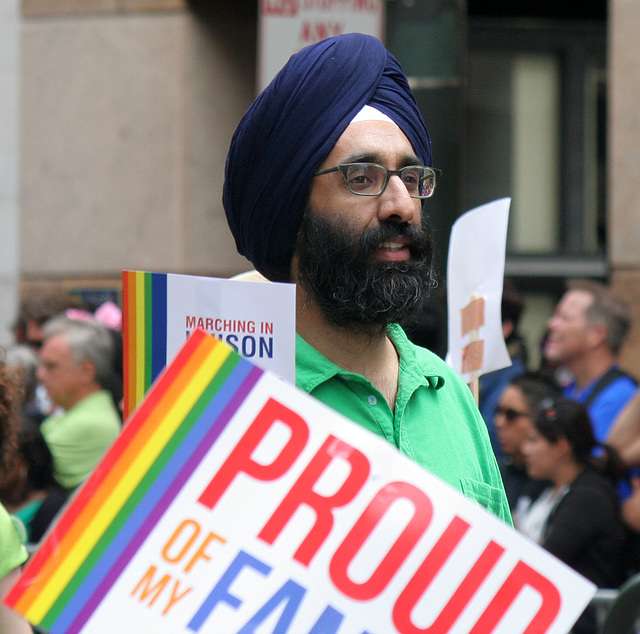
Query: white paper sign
{"x": 234, "y": 503}
{"x": 475, "y": 273}
{"x": 256, "y": 319}
{"x": 160, "y": 310}
{"x": 286, "y": 26}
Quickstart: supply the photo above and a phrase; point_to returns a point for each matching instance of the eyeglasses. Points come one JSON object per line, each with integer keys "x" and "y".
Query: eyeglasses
{"x": 371, "y": 179}
{"x": 510, "y": 414}
{"x": 34, "y": 343}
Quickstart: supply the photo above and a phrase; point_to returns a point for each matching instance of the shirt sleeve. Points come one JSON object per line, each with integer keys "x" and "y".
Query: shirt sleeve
{"x": 12, "y": 552}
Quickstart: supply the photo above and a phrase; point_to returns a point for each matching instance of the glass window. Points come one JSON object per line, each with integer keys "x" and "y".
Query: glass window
{"x": 535, "y": 131}
{"x": 513, "y": 144}
{"x": 595, "y": 156}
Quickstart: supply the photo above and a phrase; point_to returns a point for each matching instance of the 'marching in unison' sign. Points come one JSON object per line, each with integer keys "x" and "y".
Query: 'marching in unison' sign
{"x": 233, "y": 503}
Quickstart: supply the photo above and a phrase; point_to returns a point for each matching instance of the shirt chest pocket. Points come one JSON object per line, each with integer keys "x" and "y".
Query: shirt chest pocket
{"x": 484, "y": 494}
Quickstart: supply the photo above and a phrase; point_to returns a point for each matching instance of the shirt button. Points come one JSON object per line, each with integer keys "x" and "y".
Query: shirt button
{"x": 372, "y": 400}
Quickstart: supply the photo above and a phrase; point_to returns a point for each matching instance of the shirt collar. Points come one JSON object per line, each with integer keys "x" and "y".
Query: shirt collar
{"x": 313, "y": 368}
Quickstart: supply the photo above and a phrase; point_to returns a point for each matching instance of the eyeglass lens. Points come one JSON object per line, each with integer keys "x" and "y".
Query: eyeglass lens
{"x": 370, "y": 180}
{"x": 509, "y": 413}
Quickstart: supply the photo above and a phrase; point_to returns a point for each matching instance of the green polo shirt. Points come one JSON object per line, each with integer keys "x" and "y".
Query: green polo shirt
{"x": 12, "y": 552}
{"x": 79, "y": 437}
{"x": 435, "y": 423}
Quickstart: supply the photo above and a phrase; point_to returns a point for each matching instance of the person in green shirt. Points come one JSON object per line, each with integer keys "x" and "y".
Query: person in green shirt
{"x": 326, "y": 185}
{"x": 76, "y": 362}
{"x": 12, "y": 556}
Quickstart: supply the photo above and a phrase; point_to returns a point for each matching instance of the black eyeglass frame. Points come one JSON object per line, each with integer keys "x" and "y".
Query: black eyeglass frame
{"x": 511, "y": 414}
{"x": 344, "y": 168}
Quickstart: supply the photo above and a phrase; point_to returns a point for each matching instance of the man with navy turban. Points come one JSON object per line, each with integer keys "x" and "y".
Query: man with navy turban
{"x": 326, "y": 185}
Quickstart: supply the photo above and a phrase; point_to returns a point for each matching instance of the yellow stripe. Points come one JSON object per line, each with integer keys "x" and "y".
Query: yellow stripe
{"x": 141, "y": 335}
{"x": 66, "y": 569}
{"x": 110, "y": 481}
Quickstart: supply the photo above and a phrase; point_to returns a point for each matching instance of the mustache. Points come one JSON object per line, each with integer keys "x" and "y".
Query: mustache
{"x": 337, "y": 265}
{"x": 370, "y": 240}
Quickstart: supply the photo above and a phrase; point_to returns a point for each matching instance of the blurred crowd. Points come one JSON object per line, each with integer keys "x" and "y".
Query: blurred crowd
{"x": 60, "y": 410}
{"x": 566, "y": 434}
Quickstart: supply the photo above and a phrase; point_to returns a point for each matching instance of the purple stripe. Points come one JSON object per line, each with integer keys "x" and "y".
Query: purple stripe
{"x": 200, "y": 451}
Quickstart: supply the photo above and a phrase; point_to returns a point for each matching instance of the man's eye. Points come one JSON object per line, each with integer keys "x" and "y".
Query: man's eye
{"x": 411, "y": 178}
{"x": 359, "y": 176}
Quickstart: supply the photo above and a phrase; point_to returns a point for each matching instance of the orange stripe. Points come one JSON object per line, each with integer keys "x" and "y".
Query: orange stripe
{"x": 127, "y": 307}
{"x": 111, "y": 469}
{"x": 131, "y": 326}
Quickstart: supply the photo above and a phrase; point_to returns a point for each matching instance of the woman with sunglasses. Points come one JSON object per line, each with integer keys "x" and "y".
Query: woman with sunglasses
{"x": 513, "y": 419}
{"x": 584, "y": 528}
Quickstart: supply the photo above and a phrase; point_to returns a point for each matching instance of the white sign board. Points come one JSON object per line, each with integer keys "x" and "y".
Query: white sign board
{"x": 475, "y": 273}
{"x": 257, "y": 319}
{"x": 286, "y": 26}
{"x": 233, "y": 503}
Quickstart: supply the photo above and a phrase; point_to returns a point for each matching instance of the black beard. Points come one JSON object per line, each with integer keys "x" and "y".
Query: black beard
{"x": 356, "y": 292}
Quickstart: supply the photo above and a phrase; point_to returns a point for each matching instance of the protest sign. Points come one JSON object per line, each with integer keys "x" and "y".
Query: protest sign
{"x": 475, "y": 273}
{"x": 160, "y": 311}
{"x": 234, "y": 503}
{"x": 286, "y": 26}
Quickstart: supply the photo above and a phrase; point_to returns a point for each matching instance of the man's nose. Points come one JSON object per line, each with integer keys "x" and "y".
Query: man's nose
{"x": 396, "y": 204}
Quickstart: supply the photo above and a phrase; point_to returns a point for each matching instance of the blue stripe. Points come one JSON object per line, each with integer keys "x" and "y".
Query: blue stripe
{"x": 159, "y": 497}
{"x": 159, "y": 325}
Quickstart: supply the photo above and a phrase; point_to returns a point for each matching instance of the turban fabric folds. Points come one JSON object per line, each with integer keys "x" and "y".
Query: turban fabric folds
{"x": 291, "y": 128}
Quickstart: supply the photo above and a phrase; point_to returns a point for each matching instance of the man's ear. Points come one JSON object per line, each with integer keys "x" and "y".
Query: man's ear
{"x": 507, "y": 328}
{"x": 597, "y": 335}
{"x": 88, "y": 370}
{"x": 564, "y": 446}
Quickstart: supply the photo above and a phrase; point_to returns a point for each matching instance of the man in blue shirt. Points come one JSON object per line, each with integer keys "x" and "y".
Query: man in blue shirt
{"x": 586, "y": 333}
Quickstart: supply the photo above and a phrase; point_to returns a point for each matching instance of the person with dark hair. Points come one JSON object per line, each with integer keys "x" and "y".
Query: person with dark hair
{"x": 513, "y": 419}
{"x": 12, "y": 553}
{"x": 584, "y": 527}
{"x": 30, "y": 492}
{"x": 38, "y": 308}
{"x": 493, "y": 383}
{"x": 586, "y": 333}
{"x": 326, "y": 185}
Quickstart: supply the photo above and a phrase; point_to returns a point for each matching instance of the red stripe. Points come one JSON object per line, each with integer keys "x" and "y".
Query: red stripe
{"x": 134, "y": 434}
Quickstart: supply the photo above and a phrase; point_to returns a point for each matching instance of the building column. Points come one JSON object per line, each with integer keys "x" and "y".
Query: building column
{"x": 9, "y": 73}
{"x": 623, "y": 211}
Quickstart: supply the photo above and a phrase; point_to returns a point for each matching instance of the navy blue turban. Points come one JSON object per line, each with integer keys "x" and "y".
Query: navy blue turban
{"x": 291, "y": 128}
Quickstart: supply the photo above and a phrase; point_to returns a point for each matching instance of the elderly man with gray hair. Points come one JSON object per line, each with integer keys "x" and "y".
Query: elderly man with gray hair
{"x": 586, "y": 333}
{"x": 76, "y": 364}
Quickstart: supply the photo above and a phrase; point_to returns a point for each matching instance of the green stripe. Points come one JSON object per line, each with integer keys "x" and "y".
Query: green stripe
{"x": 155, "y": 472}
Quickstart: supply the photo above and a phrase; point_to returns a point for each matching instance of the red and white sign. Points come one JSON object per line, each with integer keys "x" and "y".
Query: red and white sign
{"x": 286, "y": 26}
{"x": 475, "y": 272}
{"x": 233, "y": 503}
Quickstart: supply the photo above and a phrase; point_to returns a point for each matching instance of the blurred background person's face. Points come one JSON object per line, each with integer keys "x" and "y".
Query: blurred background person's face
{"x": 513, "y": 422}
{"x": 540, "y": 455}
